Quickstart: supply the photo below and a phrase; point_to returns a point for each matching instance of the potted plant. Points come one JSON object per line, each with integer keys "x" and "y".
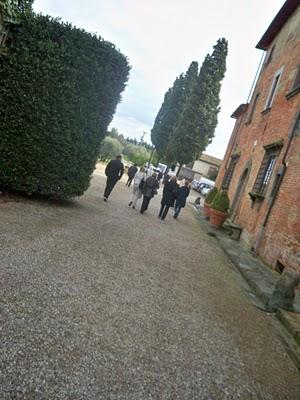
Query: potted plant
{"x": 219, "y": 209}
{"x": 208, "y": 200}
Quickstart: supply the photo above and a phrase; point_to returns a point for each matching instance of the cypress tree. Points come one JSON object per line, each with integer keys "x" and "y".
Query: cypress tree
{"x": 170, "y": 111}
{"x": 197, "y": 123}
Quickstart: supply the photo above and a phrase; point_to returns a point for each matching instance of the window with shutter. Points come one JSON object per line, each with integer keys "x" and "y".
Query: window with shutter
{"x": 296, "y": 84}
{"x": 265, "y": 171}
{"x": 229, "y": 173}
{"x": 273, "y": 90}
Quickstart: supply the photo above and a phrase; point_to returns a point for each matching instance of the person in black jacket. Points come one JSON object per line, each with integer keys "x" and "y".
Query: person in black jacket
{"x": 182, "y": 195}
{"x": 114, "y": 171}
{"x": 132, "y": 170}
{"x": 169, "y": 196}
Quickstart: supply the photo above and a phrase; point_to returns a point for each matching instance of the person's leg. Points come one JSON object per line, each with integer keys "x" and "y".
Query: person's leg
{"x": 145, "y": 204}
{"x": 109, "y": 186}
{"x": 165, "y": 212}
{"x": 134, "y": 200}
{"x": 129, "y": 181}
{"x": 148, "y": 201}
{"x": 177, "y": 211}
{"x": 161, "y": 211}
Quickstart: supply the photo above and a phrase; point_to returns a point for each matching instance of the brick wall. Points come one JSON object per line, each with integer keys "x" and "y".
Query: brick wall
{"x": 280, "y": 239}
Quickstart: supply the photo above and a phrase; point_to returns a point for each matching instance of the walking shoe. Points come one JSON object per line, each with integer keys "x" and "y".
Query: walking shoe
{"x": 105, "y": 199}
{"x": 130, "y": 203}
{"x": 133, "y": 207}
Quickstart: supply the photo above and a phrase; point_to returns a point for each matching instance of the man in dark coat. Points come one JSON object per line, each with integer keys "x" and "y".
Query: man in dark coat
{"x": 169, "y": 196}
{"x": 114, "y": 171}
{"x": 150, "y": 189}
{"x": 182, "y": 195}
{"x": 132, "y": 170}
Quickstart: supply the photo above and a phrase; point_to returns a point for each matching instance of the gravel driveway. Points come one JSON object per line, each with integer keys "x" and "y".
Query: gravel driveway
{"x": 101, "y": 302}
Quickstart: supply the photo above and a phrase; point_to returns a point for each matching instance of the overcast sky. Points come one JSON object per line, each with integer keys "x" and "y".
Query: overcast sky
{"x": 162, "y": 37}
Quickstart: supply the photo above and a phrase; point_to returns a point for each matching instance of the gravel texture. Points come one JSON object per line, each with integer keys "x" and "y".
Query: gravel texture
{"x": 101, "y": 302}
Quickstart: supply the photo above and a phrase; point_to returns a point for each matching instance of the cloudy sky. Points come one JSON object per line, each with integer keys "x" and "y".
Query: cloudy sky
{"x": 162, "y": 37}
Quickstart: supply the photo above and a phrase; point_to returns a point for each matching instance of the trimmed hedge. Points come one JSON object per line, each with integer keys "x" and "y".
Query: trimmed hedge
{"x": 59, "y": 88}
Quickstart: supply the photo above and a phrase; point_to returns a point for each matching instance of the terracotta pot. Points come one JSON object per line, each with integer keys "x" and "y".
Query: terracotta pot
{"x": 217, "y": 218}
{"x": 206, "y": 210}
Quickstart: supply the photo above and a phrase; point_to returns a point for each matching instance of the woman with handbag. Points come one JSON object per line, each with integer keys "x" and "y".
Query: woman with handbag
{"x": 138, "y": 186}
{"x": 150, "y": 190}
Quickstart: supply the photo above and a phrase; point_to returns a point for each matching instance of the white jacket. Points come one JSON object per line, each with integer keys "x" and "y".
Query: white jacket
{"x": 138, "y": 177}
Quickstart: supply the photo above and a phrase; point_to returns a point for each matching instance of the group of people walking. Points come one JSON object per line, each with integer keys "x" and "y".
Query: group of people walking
{"x": 147, "y": 187}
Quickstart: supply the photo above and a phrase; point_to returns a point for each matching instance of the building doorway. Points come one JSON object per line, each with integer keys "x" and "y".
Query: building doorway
{"x": 235, "y": 207}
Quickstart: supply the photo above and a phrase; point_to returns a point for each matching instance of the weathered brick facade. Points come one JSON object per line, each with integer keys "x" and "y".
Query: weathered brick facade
{"x": 270, "y": 216}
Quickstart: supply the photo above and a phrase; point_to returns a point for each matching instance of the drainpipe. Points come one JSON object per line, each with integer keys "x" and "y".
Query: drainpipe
{"x": 274, "y": 197}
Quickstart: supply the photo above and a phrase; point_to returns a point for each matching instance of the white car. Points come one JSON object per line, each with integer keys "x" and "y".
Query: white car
{"x": 205, "y": 190}
{"x": 195, "y": 184}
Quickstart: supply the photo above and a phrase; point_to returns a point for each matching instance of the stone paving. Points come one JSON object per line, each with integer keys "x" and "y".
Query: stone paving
{"x": 100, "y": 302}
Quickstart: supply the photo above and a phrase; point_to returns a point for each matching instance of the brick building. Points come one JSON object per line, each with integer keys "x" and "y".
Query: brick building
{"x": 261, "y": 168}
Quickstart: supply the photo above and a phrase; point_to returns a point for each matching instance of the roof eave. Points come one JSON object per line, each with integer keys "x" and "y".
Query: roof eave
{"x": 239, "y": 111}
{"x": 280, "y": 19}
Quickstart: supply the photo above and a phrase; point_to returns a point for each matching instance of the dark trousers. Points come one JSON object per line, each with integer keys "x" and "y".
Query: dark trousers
{"x": 129, "y": 180}
{"x": 110, "y": 183}
{"x": 145, "y": 204}
{"x": 163, "y": 211}
{"x": 177, "y": 211}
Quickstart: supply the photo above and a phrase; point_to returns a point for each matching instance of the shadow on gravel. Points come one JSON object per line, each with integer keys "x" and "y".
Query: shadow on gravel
{"x": 11, "y": 197}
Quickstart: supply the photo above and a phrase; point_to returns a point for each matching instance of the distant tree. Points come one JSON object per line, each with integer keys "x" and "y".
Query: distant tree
{"x": 212, "y": 174}
{"x": 197, "y": 123}
{"x": 114, "y": 133}
{"x": 167, "y": 117}
{"x": 110, "y": 148}
{"x": 141, "y": 156}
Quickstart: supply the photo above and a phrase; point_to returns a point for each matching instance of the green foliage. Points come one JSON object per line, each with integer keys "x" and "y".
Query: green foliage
{"x": 187, "y": 119}
{"x": 221, "y": 202}
{"x": 110, "y": 148}
{"x": 134, "y": 151}
{"x": 141, "y": 156}
{"x": 211, "y": 195}
{"x": 167, "y": 117}
{"x": 59, "y": 87}
{"x": 212, "y": 174}
{"x": 12, "y": 9}
{"x": 197, "y": 123}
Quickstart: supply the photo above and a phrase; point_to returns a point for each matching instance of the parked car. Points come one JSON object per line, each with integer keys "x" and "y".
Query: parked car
{"x": 205, "y": 189}
{"x": 195, "y": 184}
{"x": 203, "y": 185}
{"x": 171, "y": 173}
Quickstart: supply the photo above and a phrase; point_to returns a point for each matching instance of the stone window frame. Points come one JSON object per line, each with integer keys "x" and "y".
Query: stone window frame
{"x": 273, "y": 89}
{"x": 230, "y": 170}
{"x": 295, "y": 88}
{"x": 269, "y": 55}
{"x": 266, "y": 169}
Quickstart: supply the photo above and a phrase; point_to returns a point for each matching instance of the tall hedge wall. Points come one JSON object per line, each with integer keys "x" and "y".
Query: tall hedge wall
{"x": 59, "y": 88}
